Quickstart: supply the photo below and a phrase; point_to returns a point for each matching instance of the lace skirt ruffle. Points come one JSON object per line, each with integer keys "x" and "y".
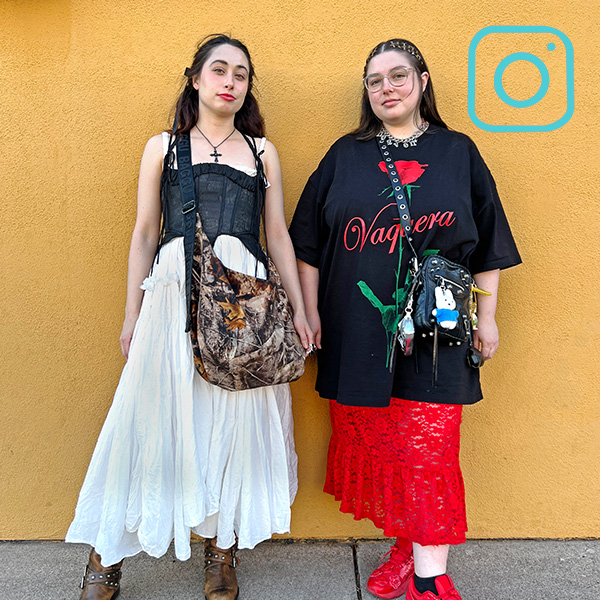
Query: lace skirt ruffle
{"x": 399, "y": 467}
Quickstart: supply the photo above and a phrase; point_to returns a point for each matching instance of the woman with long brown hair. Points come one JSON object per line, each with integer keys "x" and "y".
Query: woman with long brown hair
{"x": 394, "y": 450}
{"x": 176, "y": 454}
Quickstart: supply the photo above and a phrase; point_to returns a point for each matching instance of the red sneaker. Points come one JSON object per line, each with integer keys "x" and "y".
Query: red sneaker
{"x": 391, "y": 579}
{"x": 444, "y": 586}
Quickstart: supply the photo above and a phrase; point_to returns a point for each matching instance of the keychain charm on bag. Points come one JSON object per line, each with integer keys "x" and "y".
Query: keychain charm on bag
{"x": 406, "y": 326}
{"x": 406, "y": 333}
{"x": 403, "y": 336}
{"x": 474, "y": 356}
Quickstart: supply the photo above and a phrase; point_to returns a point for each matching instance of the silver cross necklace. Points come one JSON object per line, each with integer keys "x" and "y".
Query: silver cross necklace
{"x": 215, "y": 153}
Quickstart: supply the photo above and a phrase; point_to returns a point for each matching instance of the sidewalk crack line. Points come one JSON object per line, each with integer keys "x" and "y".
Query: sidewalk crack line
{"x": 356, "y": 572}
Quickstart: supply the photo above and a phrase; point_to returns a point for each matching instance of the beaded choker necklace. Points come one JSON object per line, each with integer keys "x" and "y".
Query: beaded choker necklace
{"x": 389, "y": 139}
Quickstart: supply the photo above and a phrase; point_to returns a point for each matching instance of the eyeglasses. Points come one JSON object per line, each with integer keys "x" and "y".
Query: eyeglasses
{"x": 397, "y": 77}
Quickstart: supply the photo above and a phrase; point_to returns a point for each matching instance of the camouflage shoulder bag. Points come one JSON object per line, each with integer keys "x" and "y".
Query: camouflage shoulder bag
{"x": 241, "y": 326}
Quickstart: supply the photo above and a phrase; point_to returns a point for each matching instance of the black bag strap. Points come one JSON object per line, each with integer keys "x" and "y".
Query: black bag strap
{"x": 399, "y": 194}
{"x": 188, "y": 208}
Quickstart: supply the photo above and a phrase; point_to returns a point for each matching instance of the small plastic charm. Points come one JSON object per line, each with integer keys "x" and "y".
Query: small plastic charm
{"x": 406, "y": 335}
{"x": 444, "y": 312}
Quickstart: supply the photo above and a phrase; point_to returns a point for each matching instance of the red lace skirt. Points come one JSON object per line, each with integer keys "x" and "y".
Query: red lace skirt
{"x": 399, "y": 467}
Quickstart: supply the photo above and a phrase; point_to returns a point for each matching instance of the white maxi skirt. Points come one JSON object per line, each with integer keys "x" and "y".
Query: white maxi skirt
{"x": 177, "y": 454}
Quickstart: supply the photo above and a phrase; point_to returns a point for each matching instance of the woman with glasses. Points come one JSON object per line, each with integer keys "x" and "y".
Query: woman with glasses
{"x": 394, "y": 450}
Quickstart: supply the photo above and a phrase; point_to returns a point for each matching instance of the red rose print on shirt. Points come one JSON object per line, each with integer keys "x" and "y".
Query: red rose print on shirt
{"x": 408, "y": 170}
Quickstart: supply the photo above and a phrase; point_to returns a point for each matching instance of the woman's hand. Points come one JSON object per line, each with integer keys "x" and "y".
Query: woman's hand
{"x": 305, "y": 332}
{"x": 127, "y": 334}
{"x": 309, "y": 281}
{"x": 486, "y": 337}
{"x": 314, "y": 322}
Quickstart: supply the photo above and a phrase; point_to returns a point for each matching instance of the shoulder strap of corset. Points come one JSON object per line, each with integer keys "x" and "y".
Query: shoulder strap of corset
{"x": 260, "y": 168}
{"x": 169, "y": 162}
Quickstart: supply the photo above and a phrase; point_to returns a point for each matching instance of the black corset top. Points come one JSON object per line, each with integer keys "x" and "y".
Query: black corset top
{"x": 226, "y": 201}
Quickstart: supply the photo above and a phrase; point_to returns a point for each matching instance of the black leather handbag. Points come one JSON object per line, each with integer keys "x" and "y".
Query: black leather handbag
{"x": 439, "y": 273}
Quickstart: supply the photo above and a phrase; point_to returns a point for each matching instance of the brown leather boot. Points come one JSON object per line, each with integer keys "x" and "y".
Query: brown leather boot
{"x": 219, "y": 572}
{"x": 100, "y": 583}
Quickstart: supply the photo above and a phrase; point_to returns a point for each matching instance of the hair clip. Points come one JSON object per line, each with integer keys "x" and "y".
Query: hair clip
{"x": 187, "y": 72}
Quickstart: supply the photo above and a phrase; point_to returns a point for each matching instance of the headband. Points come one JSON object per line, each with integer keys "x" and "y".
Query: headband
{"x": 402, "y": 45}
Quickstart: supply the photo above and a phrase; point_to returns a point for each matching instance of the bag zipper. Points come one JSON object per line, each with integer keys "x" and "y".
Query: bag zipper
{"x": 452, "y": 283}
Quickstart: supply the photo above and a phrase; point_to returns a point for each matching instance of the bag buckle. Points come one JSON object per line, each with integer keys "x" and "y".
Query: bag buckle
{"x": 188, "y": 207}
{"x": 413, "y": 266}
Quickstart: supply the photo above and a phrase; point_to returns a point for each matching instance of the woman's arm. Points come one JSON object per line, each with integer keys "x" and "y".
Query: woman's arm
{"x": 486, "y": 338}
{"x": 145, "y": 236}
{"x": 309, "y": 282}
{"x": 280, "y": 244}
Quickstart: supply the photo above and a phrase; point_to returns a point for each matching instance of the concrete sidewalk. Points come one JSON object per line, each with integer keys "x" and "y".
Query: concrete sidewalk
{"x": 308, "y": 570}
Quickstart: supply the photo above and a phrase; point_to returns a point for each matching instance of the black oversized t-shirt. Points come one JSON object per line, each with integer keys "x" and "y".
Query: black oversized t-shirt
{"x": 347, "y": 225}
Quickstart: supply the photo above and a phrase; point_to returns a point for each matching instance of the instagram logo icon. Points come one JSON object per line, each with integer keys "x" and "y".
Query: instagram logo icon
{"x": 520, "y": 78}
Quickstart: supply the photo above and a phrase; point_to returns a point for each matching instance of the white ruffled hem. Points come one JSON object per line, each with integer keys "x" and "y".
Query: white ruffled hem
{"x": 177, "y": 454}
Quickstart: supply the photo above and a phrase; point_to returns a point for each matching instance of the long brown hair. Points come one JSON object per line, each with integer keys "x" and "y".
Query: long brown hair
{"x": 369, "y": 125}
{"x": 247, "y": 120}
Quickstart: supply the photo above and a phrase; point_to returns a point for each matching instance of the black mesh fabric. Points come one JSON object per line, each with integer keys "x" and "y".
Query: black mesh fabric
{"x": 226, "y": 202}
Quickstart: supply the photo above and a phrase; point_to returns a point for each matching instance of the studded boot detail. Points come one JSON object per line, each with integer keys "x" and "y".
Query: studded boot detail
{"x": 100, "y": 583}
{"x": 219, "y": 572}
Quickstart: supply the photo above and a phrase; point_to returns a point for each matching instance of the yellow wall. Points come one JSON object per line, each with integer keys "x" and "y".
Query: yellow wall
{"x": 85, "y": 83}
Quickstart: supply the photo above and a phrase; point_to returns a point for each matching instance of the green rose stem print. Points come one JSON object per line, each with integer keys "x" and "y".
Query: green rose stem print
{"x": 390, "y": 314}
